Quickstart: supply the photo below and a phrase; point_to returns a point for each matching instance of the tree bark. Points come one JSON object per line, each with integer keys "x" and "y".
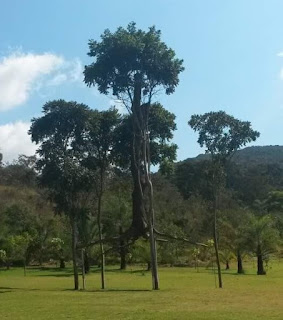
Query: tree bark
{"x": 240, "y": 263}
{"x": 139, "y": 224}
{"x": 74, "y": 252}
{"x": 102, "y": 253}
{"x": 215, "y": 239}
{"x": 260, "y": 267}
{"x": 227, "y": 265}
{"x": 25, "y": 272}
{"x": 153, "y": 254}
{"x": 86, "y": 260}
{"x": 62, "y": 263}
{"x": 123, "y": 251}
{"x": 83, "y": 268}
{"x": 217, "y": 259}
{"x": 143, "y": 216}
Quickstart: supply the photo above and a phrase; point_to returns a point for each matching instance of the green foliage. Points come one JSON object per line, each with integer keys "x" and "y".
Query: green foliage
{"x": 260, "y": 232}
{"x": 127, "y": 53}
{"x": 221, "y": 134}
{"x": 16, "y": 246}
{"x": 60, "y": 132}
{"x": 161, "y": 124}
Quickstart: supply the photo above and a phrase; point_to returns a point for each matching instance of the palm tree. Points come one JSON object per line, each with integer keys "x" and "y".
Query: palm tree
{"x": 262, "y": 239}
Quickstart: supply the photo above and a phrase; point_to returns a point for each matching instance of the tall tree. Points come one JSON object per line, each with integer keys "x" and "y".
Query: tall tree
{"x": 135, "y": 64}
{"x": 59, "y": 132}
{"x": 222, "y": 135}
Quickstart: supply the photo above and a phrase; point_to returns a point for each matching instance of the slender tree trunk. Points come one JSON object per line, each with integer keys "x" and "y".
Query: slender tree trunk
{"x": 123, "y": 251}
{"x": 227, "y": 265}
{"x": 74, "y": 253}
{"x": 260, "y": 267}
{"x": 148, "y": 266}
{"x": 102, "y": 254}
{"x": 25, "y": 272}
{"x": 240, "y": 263}
{"x": 40, "y": 259}
{"x": 87, "y": 263}
{"x": 215, "y": 239}
{"x": 151, "y": 218}
{"x": 153, "y": 254}
{"x": 83, "y": 268}
{"x": 141, "y": 175}
{"x": 139, "y": 224}
{"x": 62, "y": 263}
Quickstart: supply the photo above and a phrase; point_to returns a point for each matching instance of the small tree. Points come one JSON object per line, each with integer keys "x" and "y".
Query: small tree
{"x": 16, "y": 248}
{"x": 57, "y": 249}
{"x": 262, "y": 239}
{"x": 222, "y": 135}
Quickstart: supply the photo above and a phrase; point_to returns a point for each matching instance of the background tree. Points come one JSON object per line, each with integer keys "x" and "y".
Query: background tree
{"x": 99, "y": 148}
{"x": 262, "y": 238}
{"x": 60, "y": 133}
{"x": 16, "y": 248}
{"x": 134, "y": 64}
{"x": 222, "y": 135}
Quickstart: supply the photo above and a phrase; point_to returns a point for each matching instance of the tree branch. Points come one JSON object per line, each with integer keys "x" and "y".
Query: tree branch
{"x": 165, "y": 235}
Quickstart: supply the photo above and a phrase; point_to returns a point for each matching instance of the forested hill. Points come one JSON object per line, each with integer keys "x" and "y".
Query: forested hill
{"x": 252, "y": 155}
{"x": 256, "y": 172}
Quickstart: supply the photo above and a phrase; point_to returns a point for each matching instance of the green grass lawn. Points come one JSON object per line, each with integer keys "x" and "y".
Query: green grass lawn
{"x": 185, "y": 294}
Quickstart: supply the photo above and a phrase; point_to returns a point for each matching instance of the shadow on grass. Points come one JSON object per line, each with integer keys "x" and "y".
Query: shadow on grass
{"x": 112, "y": 290}
{"x": 237, "y": 274}
{"x": 142, "y": 271}
{"x": 11, "y": 289}
{"x": 62, "y": 275}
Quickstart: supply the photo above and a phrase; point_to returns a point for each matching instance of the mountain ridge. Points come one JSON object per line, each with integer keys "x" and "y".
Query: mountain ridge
{"x": 251, "y": 155}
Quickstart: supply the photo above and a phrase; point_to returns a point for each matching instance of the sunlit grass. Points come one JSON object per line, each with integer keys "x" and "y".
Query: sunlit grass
{"x": 185, "y": 294}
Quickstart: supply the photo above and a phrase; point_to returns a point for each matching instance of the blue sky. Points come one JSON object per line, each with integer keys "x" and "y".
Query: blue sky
{"x": 232, "y": 50}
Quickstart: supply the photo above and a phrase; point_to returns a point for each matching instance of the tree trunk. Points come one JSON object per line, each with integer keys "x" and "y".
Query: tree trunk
{"x": 123, "y": 251}
{"x": 139, "y": 224}
{"x": 25, "y": 272}
{"x": 153, "y": 255}
{"x": 74, "y": 253}
{"x": 240, "y": 263}
{"x": 215, "y": 239}
{"x": 86, "y": 260}
{"x": 143, "y": 216}
{"x": 83, "y": 268}
{"x": 148, "y": 266}
{"x": 217, "y": 260}
{"x": 40, "y": 259}
{"x": 227, "y": 265}
{"x": 260, "y": 267}
{"x": 151, "y": 218}
{"x": 62, "y": 263}
{"x": 102, "y": 254}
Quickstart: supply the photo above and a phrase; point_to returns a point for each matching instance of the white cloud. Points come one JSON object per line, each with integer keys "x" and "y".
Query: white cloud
{"x": 14, "y": 140}
{"x": 22, "y": 73}
{"x": 57, "y": 79}
{"x": 280, "y": 54}
{"x": 70, "y": 71}
{"x": 19, "y": 72}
